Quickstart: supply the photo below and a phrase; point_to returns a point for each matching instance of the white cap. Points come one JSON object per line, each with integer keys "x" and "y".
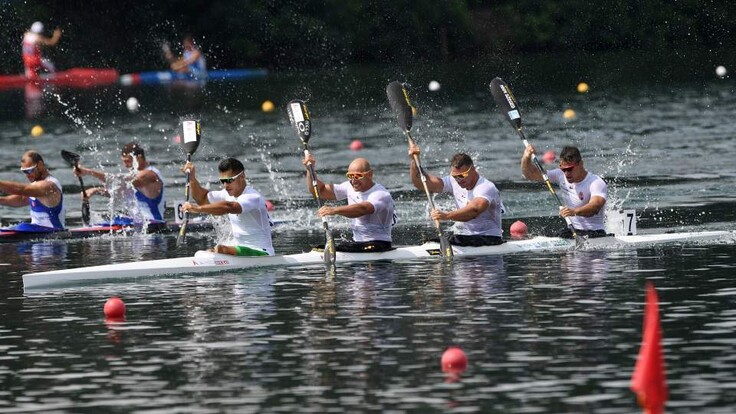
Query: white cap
{"x": 37, "y": 27}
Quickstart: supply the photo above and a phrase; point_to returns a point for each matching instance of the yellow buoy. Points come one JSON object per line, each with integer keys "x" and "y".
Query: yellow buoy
{"x": 267, "y": 106}
{"x": 569, "y": 114}
{"x": 583, "y": 87}
{"x": 36, "y": 131}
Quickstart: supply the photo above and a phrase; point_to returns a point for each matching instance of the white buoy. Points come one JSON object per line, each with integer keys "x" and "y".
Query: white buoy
{"x": 721, "y": 71}
{"x": 132, "y": 104}
{"x": 434, "y": 86}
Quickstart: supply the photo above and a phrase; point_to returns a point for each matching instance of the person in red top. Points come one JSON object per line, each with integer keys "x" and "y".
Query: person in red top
{"x": 33, "y": 39}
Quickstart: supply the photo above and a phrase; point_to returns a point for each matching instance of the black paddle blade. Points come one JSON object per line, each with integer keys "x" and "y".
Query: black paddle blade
{"x": 399, "y": 101}
{"x": 506, "y": 102}
{"x": 85, "y": 212}
{"x": 70, "y": 157}
{"x": 191, "y": 135}
{"x": 299, "y": 119}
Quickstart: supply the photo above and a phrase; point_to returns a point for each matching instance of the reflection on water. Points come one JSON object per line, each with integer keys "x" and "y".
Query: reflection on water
{"x": 544, "y": 332}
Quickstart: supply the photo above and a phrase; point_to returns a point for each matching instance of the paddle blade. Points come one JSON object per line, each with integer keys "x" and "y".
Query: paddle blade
{"x": 191, "y": 136}
{"x": 506, "y": 102}
{"x": 398, "y": 98}
{"x": 299, "y": 119}
{"x": 330, "y": 252}
{"x": 85, "y": 212}
{"x": 70, "y": 157}
{"x": 445, "y": 247}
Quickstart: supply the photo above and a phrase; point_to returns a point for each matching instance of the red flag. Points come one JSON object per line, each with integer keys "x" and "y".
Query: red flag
{"x": 648, "y": 380}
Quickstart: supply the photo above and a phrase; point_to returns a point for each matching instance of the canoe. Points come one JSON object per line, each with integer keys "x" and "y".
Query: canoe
{"x": 205, "y": 262}
{"x": 10, "y": 235}
{"x": 165, "y": 77}
{"x": 72, "y": 78}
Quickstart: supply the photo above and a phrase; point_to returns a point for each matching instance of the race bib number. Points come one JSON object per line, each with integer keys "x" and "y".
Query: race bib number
{"x": 178, "y": 212}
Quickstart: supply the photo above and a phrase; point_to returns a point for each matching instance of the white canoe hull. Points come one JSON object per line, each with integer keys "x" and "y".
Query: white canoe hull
{"x": 205, "y": 262}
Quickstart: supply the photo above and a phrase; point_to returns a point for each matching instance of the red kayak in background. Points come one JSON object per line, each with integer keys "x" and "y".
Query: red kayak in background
{"x": 73, "y": 78}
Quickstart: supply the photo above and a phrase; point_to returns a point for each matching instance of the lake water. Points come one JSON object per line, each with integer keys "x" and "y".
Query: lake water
{"x": 543, "y": 332}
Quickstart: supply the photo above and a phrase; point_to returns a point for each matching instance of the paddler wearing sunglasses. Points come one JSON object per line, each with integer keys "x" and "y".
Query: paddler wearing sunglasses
{"x": 244, "y": 206}
{"x": 43, "y": 193}
{"x": 370, "y": 206}
{"x": 478, "y": 202}
{"x": 583, "y": 194}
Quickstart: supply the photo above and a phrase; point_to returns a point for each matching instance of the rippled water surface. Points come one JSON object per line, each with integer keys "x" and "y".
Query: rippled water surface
{"x": 543, "y": 332}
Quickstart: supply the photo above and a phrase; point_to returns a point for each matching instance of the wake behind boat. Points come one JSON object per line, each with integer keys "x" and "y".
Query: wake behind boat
{"x": 166, "y": 77}
{"x": 206, "y": 262}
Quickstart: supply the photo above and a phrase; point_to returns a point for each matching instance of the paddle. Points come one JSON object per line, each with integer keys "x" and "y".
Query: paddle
{"x": 399, "y": 101}
{"x": 73, "y": 160}
{"x": 190, "y": 142}
{"x": 510, "y": 109}
{"x": 300, "y": 120}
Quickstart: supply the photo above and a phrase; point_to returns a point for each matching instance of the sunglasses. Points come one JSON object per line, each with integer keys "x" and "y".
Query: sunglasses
{"x": 357, "y": 175}
{"x": 568, "y": 169}
{"x": 29, "y": 170}
{"x": 462, "y": 175}
{"x": 230, "y": 179}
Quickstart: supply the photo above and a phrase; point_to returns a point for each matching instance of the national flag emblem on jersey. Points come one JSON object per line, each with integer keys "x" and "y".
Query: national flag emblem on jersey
{"x": 580, "y": 194}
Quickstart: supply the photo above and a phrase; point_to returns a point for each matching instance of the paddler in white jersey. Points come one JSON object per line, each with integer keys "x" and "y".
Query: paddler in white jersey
{"x": 43, "y": 193}
{"x": 33, "y": 60}
{"x": 244, "y": 206}
{"x": 147, "y": 181}
{"x": 478, "y": 202}
{"x": 370, "y": 206}
{"x": 583, "y": 194}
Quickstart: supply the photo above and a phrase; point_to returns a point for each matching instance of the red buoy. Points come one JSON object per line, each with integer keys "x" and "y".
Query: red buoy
{"x": 549, "y": 157}
{"x": 269, "y": 206}
{"x": 518, "y": 229}
{"x": 115, "y": 308}
{"x": 356, "y": 145}
{"x": 454, "y": 360}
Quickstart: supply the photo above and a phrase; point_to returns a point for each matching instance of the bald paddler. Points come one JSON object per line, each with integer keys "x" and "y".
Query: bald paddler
{"x": 33, "y": 60}
{"x": 370, "y": 206}
{"x": 43, "y": 193}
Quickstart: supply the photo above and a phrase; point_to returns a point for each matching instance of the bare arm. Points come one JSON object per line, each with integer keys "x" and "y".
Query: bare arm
{"x": 351, "y": 211}
{"x": 199, "y": 193}
{"x": 14, "y": 201}
{"x": 467, "y": 213}
{"x": 528, "y": 169}
{"x": 595, "y": 205}
{"x": 218, "y": 208}
{"x": 326, "y": 192}
{"x": 54, "y": 40}
{"x": 34, "y": 189}
{"x": 81, "y": 170}
{"x": 434, "y": 184}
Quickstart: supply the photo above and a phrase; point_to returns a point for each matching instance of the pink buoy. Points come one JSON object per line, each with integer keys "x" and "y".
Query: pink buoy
{"x": 356, "y": 145}
{"x": 114, "y": 308}
{"x": 549, "y": 157}
{"x": 454, "y": 360}
{"x": 519, "y": 229}
{"x": 269, "y": 206}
